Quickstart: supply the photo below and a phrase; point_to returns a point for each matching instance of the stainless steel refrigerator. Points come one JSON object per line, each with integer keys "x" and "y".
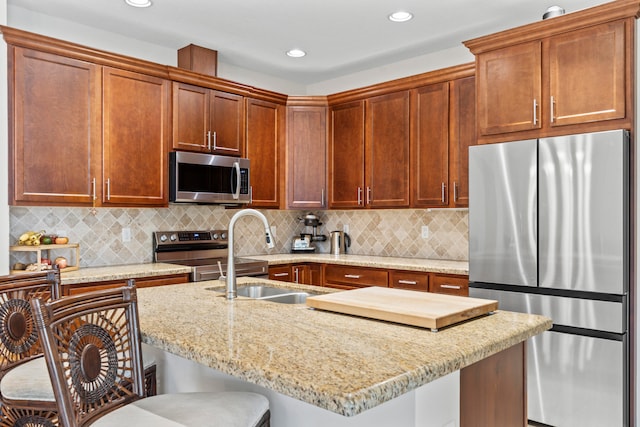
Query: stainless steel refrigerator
{"x": 549, "y": 234}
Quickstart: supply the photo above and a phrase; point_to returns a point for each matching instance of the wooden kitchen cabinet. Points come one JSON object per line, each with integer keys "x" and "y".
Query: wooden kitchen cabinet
{"x": 54, "y": 126}
{"x": 351, "y": 277}
{"x": 80, "y": 140}
{"x": 449, "y": 284}
{"x": 306, "y": 157}
{"x": 369, "y": 153}
{"x": 207, "y": 120}
{"x": 443, "y": 117}
{"x": 567, "y": 75}
{"x": 280, "y": 272}
{"x": 135, "y": 139}
{"x": 305, "y": 273}
{"x": 265, "y": 123}
{"x": 346, "y": 155}
{"x": 141, "y": 282}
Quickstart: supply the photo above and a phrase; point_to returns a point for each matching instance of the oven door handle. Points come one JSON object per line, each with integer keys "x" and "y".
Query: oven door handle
{"x": 236, "y": 194}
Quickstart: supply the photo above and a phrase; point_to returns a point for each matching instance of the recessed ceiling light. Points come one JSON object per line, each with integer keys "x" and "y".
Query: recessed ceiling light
{"x": 296, "y": 53}
{"x": 138, "y": 3}
{"x": 400, "y": 16}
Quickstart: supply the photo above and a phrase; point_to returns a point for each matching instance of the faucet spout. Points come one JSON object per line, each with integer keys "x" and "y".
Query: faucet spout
{"x": 232, "y": 288}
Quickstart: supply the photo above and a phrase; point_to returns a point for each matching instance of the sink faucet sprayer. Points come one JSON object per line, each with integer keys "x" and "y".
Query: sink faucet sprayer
{"x": 231, "y": 268}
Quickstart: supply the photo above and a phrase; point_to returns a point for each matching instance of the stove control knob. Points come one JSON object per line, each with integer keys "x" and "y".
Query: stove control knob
{"x": 163, "y": 237}
{"x": 174, "y": 237}
{"x": 215, "y": 236}
{"x": 224, "y": 236}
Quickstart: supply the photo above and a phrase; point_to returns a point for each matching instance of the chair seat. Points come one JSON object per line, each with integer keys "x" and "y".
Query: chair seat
{"x": 30, "y": 381}
{"x": 225, "y": 409}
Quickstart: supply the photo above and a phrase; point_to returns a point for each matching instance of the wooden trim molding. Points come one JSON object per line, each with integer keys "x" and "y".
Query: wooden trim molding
{"x": 611, "y": 11}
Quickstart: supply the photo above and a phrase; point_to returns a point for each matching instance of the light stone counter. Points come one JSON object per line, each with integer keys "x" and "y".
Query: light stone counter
{"x": 121, "y": 272}
{"x": 412, "y": 264}
{"x": 341, "y": 363}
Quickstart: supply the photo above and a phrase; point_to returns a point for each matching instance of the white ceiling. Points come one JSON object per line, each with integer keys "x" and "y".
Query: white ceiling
{"x": 340, "y": 36}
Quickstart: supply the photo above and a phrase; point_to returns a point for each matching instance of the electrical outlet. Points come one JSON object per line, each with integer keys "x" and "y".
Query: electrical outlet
{"x": 126, "y": 234}
{"x": 345, "y": 228}
{"x": 425, "y": 231}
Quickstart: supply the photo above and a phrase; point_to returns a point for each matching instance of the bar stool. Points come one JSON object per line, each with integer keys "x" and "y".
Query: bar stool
{"x": 24, "y": 379}
{"x": 92, "y": 347}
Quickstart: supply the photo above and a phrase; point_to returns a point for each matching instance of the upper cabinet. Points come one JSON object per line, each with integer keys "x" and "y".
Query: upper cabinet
{"x": 265, "y": 127}
{"x": 443, "y": 128}
{"x": 306, "y": 154}
{"x": 207, "y": 120}
{"x": 567, "y": 74}
{"x": 369, "y": 152}
{"x": 76, "y": 137}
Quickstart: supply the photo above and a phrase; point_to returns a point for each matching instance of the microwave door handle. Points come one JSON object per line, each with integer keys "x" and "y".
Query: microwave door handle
{"x": 236, "y": 194}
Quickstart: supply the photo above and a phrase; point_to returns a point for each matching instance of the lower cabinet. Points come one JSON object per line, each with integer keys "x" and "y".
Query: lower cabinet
{"x": 412, "y": 280}
{"x": 449, "y": 284}
{"x": 141, "y": 282}
{"x": 351, "y": 277}
{"x": 306, "y": 273}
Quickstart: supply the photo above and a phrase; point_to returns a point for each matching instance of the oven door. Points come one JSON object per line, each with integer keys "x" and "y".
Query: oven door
{"x": 206, "y": 178}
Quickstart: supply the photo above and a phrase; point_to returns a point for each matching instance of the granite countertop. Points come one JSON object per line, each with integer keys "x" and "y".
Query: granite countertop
{"x": 413, "y": 264}
{"x": 341, "y": 363}
{"x": 121, "y": 272}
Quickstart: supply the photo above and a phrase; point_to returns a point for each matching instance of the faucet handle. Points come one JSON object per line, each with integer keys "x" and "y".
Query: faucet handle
{"x": 222, "y": 276}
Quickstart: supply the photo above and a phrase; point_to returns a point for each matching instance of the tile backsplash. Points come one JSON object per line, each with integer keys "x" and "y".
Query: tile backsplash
{"x": 395, "y": 232}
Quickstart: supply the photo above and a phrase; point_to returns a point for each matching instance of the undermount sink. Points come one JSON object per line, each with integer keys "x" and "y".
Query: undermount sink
{"x": 269, "y": 293}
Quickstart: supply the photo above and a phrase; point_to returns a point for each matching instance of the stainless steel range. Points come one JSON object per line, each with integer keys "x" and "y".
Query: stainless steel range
{"x": 205, "y": 251}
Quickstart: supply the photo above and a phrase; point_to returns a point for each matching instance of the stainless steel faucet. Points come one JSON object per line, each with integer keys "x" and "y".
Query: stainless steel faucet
{"x": 232, "y": 289}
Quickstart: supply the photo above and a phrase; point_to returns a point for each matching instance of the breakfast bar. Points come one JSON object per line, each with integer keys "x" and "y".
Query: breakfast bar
{"x": 331, "y": 368}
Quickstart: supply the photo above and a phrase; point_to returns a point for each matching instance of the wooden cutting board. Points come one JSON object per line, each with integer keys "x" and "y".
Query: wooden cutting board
{"x": 424, "y": 309}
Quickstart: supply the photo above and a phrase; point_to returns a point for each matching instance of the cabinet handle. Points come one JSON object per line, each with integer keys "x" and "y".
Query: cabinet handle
{"x": 359, "y": 196}
{"x": 215, "y": 140}
{"x": 455, "y": 191}
{"x": 443, "y": 189}
{"x": 93, "y": 189}
{"x": 280, "y": 274}
{"x": 209, "y": 140}
{"x": 407, "y": 282}
{"x": 535, "y": 111}
{"x": 553, "y": 104}
{"x": 295, "y": 275}
{"x": 368, "y": 195}
{"x": 322, "y": 198}
{"x": 445, "y": 286}
{"x": 108, "y": 188}
{"x": 352, "y": 276}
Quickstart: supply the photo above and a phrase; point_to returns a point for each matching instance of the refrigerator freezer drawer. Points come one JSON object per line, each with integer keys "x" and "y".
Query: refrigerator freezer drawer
{"x": 597, "y": 315}
{"x": 573, "y": 380}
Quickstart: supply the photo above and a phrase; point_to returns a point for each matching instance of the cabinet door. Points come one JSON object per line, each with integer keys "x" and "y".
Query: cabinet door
{"x": 300, "y": 274}
{"x": 227, "y": 123}
{"x": 55, "y": 129}
{"x": 135, "y": 139}
{"x": 587, "y": 70}
{"x": 190, "y": 117}
{"x": 462, "y": 135}
{"x": 509, "y": 88}
{"x": 306, "y": 157}
{"x": 315, "y": 275}
{"x": 263, "y": 129}
{"x": 346, "y": 156}
{"x": 387, "y": 152}
{"x": 430, "y": 139}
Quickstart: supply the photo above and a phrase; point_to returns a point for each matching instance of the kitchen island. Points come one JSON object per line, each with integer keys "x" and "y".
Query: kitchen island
{"x": 335, "y": 369}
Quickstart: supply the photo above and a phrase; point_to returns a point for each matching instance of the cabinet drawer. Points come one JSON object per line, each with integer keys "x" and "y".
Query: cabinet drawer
{"x": 449, "y": 284}
{"x": 282, "y": 273}
{"x": 355, "y": 276}
{"x": 412, "y": 280}
{"x": 141, "y": 282}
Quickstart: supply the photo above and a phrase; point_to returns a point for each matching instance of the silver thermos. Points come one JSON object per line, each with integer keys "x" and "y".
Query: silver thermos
{"x": 340, "y": 242}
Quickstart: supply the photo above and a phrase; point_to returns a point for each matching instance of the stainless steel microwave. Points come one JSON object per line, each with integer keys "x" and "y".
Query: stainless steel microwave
{"x": 208, "y": 178}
